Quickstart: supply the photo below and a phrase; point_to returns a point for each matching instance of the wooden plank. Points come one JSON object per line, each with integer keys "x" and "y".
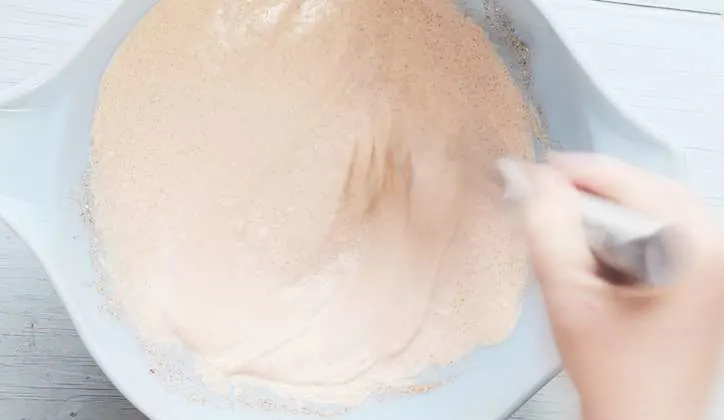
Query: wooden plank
{"x": 702, "y": 6}
{"x": 45, "y": 371}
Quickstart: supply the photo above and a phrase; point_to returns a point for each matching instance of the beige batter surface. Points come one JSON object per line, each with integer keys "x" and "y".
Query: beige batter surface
{"x": 229, "y": 146}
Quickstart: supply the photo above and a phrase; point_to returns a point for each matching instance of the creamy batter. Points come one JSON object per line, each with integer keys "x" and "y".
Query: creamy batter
{"x": 229, "y": 145}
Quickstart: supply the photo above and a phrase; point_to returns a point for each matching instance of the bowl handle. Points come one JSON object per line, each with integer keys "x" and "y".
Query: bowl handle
{"x": 43, "y": 150}
{"x": 44, "y": 131}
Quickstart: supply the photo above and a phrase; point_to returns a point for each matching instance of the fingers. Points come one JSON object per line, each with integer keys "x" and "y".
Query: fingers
{"x": 698, "y": 242}
{"x": 623, "y": 183}
{"x": 557, "y": 245}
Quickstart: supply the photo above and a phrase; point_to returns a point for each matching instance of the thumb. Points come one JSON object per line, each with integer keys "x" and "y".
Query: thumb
{"x": 556, "y": 241}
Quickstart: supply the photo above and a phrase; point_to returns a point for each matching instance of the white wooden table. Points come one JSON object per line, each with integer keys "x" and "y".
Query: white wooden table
{"x": 664, "y": 67}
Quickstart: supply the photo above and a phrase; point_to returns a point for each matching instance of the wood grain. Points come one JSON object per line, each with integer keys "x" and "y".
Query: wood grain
{"x": 36, "y": 34}
{"x": 45, "y": 371}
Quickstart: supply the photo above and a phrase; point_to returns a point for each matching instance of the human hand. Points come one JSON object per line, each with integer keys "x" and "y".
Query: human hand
{"x": 631, "y": 356}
